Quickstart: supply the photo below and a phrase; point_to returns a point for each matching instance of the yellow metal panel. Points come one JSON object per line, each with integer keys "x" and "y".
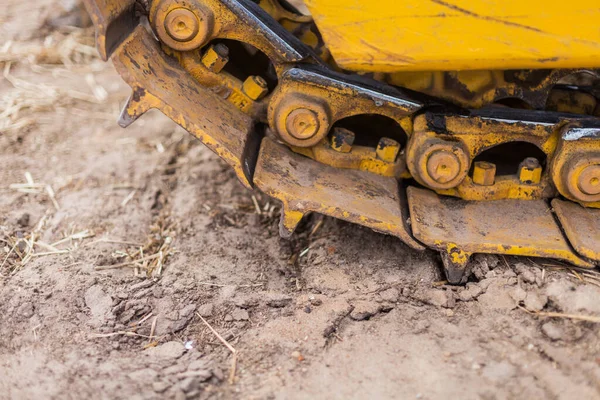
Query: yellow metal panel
{"x": 512, "y": 227}
{"x": 402, "y": 35}
{"x": 581, "y": 226}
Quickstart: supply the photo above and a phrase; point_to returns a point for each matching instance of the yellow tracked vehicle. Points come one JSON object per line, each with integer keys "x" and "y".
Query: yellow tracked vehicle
{"x": 463, "y": 126}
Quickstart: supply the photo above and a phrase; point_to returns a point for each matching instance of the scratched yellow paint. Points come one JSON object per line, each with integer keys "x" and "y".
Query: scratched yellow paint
{"x": 427, "y": 35}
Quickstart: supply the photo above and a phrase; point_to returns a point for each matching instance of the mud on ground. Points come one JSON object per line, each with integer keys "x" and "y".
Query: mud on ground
{"x": 338, "y": 312}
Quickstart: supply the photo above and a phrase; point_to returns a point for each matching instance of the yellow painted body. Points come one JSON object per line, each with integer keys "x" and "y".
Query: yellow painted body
{"x": 434, "y": 35}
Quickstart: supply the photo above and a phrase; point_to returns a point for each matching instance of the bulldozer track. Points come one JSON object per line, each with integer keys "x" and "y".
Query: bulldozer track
{"x": 282, "y": 132}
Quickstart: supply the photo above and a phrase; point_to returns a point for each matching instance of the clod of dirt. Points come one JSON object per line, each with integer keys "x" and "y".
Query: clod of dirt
{"x": 440, "y": 298}
{"x": 166, "y": 351}
{"x": 390, "y": 295}
{"x": 518, "y": 293}
{"x": 160, "y": 387}
{"x": 239, "y": 314}
{"x": 246, "y": 301}
{"x": 315, "y": 301}
{"x": 141, "y": 285}
{"x": 364, "y": 310}
{"x": 23, "y": 220}
{"x": 472, "y": 291}
{"x": 99, "y": 303}
{"x": 563, "y": 330}
{"x": 482, "y": 264}
{"x": 189, "y": 384}
{"x": 185, "y": 316}
{"x": 198, "y": 365}
{"x": 572, "y": 298}
{"x": 525, "y": 272}
{"x": 143, "y": 375}
{"x": 535, "y": 301}
{"x": 278, "y": 300}
{"x": 206, "y": 310}
{"x": 26, "y": 310}
{"x": 496, "y": 296}
{"x": 173, "y": 369}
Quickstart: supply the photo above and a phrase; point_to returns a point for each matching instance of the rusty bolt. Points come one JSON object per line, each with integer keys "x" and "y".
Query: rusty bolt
{"x": 484, "y": 173}
{"x": 443, "y": 166}
{"x": 342, "y": 140}
{"x": 216, "y": 57}
{"x": 255, "y": 87}
{"x": 302, "y": 123}
{"x": 589, "y": 180}
{"x": 530, "y": 171}
{"x": 182, "y": 24}
{"x": 388, "y": 150}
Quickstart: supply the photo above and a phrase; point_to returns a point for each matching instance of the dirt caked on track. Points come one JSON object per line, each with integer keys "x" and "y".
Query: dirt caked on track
{"x": 121, "y": 247}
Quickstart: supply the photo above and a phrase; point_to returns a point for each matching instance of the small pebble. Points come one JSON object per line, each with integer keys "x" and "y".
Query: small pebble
{"x": 297, "y": 355}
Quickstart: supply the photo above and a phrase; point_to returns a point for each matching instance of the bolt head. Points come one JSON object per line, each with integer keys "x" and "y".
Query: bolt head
{"x": 530, "y": 171}
{"x": 182, "y": 24}
{"x": 443, "y": 166}
{"x": 302, "y": 123}
{"x": 216, "y": 57}
{"x": 388, "y": 150}
{"x": 255, "y": 87}
{"x": 589, "y": 180}
{"x": 342, "y": 140}
{"x": 484, "y": 173}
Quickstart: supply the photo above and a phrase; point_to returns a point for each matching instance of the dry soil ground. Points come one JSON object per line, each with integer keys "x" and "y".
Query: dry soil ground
{"x": 338, "y": 312}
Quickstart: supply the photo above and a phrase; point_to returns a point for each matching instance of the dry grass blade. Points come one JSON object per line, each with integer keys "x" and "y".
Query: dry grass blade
{"x": 226, "y": 344}
{"x": 31, "y": 187}
{"x": 119, "y": 333}
{"x": 230, "y": 285}
{"x": 152, "y": 256}
{"x": 28, "y": 97}
{"x": 114, "y": 241}
{"x": 24, "y": 248}
{"x": 132, "y": 264}
{"x": 577, "y": 317}
{"x": 75, "y": 236}
{"x": 256, "y": 205}
{"x": 60, "y": 48}
{"x": 128, "y": 198}
{"x": 21, "y": 247}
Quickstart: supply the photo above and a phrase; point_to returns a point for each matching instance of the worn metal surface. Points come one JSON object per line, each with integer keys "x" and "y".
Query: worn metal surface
{"x": 362, "y": 158}
{"x": 217, "y": 123}
{"x": 581, "y": 226}
{"x": 462, "y": 228}
{"x": 475, "y": 89}
{"x": 304, "y": 186}
{"x": 114, "y": 21}
{"x": 576, "y": 165}
{"x": 443, "y": 147}
{"x": 239, "y": 20}
{"x": 332, "y": 97}
{"x": 448, "y": 35}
